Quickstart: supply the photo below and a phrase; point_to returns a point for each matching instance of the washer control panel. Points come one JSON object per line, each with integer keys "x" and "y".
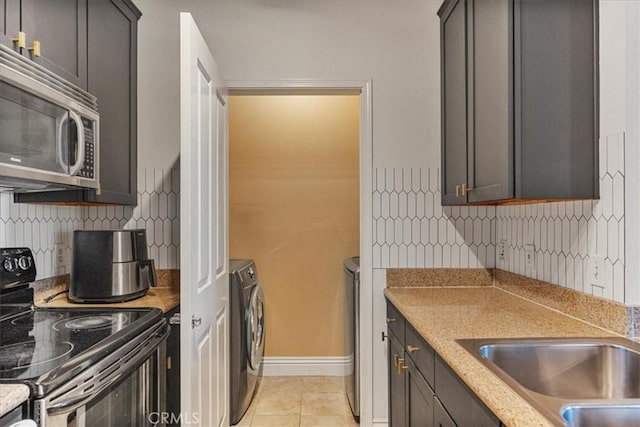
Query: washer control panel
{"x": 17, "y": 266}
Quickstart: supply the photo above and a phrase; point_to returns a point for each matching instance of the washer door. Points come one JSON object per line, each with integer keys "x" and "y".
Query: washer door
{"x": 255, "y": 327}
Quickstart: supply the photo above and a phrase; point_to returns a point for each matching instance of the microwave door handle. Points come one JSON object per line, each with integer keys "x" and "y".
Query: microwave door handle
{"x": 63, "y": 155}
{"x": 75, "y": 168}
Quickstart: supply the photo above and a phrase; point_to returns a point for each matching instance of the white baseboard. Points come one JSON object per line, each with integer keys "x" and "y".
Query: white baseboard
{"x": 380, "y": 422}
{"x": 305, "y": 366}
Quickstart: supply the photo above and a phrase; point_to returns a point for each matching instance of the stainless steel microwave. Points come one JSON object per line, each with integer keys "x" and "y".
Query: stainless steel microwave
{"x": 49, "y": 129}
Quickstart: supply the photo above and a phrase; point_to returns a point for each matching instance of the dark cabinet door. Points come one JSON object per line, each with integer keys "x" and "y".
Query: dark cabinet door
{"x": 9, "y": 22}
{"x": 61, "y": 28}
{"x": 440, "y": 416}
{"x": 113, "y": 79}
{"x": 490, "y": 102}
{"x": 453, "y": 39}
{"x": 419, "y": 397}
{"x": 555, "y": 39}
{"x": 397, "y": 402}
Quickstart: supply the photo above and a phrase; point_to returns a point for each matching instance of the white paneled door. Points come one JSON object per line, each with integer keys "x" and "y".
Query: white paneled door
{"x": 204, "y": 276}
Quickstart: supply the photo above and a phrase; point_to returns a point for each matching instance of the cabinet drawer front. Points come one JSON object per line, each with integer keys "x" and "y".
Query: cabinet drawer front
{"x": 421, "y": 353}
{"x": 395, "y": 322}
{"x": 440, "y": 416}
{"x": 463, "y": 406}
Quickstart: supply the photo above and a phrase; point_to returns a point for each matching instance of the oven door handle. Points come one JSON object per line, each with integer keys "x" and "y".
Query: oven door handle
{"x": 75, "y": 402}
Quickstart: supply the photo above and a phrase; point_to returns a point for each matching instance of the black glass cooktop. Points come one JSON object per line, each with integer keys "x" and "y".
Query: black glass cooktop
{"x": 36, "y": 346}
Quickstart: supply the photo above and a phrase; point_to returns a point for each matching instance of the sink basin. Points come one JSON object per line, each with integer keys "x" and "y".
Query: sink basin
{"x": 573, "y": 381}
{"x": 570, "y": 370}
{"x": 602, "y": 415}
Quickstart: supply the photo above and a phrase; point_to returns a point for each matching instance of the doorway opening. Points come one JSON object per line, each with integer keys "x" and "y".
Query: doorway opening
{"x": 294, "y": 187}
{"x": 331, "y": 365}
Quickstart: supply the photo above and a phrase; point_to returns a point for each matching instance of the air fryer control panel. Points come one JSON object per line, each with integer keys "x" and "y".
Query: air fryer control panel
{"x": 17, "y": 266}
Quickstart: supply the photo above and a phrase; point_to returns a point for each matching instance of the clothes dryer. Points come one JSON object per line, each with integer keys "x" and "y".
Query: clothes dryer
{"x": 246, "y": 300}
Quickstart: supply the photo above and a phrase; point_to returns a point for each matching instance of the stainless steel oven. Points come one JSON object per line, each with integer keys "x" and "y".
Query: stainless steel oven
{"x": 124, "y": 389}
{"x": 48, "y": 129}
{"x": 94, "y": 367}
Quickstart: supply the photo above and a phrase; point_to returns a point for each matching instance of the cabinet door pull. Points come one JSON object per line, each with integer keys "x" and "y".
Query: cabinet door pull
{"x": 21, "y": 40}
{"x": 395, "y": 361}
{"x": 390, "y": 319}
{"x": 35, "y": 48}
{"x": 384, "y": 336}
{"x": 401, "y": 367}
{"x": 457, "y": 191}
{"x": 466, "y": 189}
{"x": 411, "y": 349}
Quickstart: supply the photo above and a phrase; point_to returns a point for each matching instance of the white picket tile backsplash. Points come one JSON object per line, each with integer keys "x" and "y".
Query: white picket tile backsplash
{"x": 566, "y": 234}
{"x": 157, "y": 212}
{"x": 42, "y": 227}
{"x": 412, "y": 229}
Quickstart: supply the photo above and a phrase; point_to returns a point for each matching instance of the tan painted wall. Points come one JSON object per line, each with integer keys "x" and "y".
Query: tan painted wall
{"x": 294, "y": 208}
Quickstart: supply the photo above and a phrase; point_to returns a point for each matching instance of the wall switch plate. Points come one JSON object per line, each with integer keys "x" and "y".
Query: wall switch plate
{"x": 530, "y": 257}
{"x": 502, "y": 250}
{"x": 596, "y": 270}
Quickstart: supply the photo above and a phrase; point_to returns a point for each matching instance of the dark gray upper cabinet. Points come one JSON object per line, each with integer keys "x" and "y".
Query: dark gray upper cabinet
{"x": 519, "y": 100}
{"x": 59, "y": 26}
{"x": 112, "y": 78}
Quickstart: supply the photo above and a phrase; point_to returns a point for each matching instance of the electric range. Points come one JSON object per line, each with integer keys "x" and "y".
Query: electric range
{"x": 77, "y": 361}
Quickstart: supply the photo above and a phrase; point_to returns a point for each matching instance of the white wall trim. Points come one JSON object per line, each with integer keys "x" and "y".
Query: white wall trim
{"x": 305, "y": 366}
{"x": 366, "y": 214}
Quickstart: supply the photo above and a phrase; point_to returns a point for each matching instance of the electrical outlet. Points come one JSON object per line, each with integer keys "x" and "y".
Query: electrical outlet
{"x": 596, "y": 270}
{"x": 502, "y": 250}
{"x": 58, "y": 254}
{"x": 530, "y": 257}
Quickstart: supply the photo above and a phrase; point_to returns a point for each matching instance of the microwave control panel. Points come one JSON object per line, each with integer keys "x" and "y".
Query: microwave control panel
{"x": 88, "y": 170}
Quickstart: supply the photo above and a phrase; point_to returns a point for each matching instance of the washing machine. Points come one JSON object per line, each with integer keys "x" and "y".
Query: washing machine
{"x": 246, "y": 299}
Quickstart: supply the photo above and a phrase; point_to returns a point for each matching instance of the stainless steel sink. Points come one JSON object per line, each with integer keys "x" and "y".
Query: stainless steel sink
{"x": 602, "y": 415}
{"x": 573, "y": 381}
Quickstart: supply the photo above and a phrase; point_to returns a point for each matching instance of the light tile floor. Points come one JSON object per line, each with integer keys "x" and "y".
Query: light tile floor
{"x": 299, "y": 402}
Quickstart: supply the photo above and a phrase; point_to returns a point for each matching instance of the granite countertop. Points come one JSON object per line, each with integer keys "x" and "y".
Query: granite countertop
{"x": 164, "y": 298}
{"x": 442, "y": 315}
{"x": 12, "y": 395}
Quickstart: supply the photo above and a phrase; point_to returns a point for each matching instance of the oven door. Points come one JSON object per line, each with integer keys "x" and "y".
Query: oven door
{"x": 126, "y": 389}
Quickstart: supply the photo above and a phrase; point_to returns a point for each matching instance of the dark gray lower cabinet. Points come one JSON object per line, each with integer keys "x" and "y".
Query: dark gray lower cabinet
{"x": 173, "y": 369}
{"x": 423, "y": 390}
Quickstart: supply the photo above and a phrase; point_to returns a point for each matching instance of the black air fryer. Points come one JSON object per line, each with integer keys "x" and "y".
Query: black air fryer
{"x": 110, "y": 266}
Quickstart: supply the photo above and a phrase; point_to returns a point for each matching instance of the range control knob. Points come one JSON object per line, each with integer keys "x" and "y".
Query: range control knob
{"x": 9, "y": 265}
{"x": 24, "y": 262}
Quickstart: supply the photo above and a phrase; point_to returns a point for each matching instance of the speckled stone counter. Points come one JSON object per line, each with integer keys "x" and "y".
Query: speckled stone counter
{"x": 165, "y": 296}
{"x": 162, "y": 298}
{"x": 442, "y": 315}
{"x": 12, "y": 395}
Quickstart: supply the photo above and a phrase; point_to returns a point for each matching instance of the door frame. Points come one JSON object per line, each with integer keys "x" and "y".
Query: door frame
{"x": 363, "y": 88}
